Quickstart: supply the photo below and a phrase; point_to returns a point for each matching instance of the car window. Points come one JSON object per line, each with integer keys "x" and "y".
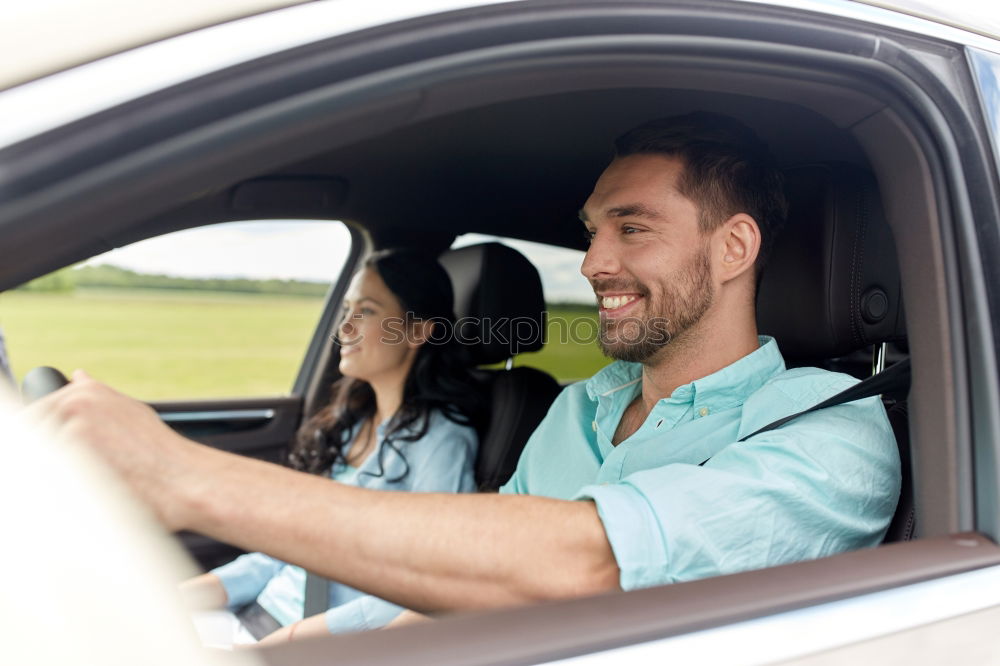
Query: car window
{"x": 570, "y": 352}
{"x": 225, "y": 310}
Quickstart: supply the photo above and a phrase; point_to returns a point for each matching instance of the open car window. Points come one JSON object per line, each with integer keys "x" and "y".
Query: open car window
{"x": 226, "y": 310}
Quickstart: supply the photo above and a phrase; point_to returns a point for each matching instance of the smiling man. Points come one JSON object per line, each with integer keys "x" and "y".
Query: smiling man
{"x": 636, "y": 476}
{"x": 680, "y": 225}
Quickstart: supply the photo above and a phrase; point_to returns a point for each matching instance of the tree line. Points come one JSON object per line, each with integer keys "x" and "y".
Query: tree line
{"x": 105, "y": 276}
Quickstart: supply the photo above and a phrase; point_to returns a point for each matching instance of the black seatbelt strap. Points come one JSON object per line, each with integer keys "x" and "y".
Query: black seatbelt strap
{"x": 894, "y": 378}
{"x": 257, "y": 620}
{"x": 317, "y": 595}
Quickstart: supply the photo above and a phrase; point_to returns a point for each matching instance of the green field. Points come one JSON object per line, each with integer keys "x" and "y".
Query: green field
{"x": 166, "y": 344}
{"x": 570, "y": 351}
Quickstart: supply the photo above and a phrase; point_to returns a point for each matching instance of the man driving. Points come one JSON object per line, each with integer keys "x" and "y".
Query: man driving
{"x": 636, "y": 477}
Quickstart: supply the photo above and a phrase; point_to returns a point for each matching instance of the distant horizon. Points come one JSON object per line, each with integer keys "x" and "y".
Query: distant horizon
{"x": 88, "y": 264}
{"x": 307, "y": 251}
{"x": 223, "y": 278}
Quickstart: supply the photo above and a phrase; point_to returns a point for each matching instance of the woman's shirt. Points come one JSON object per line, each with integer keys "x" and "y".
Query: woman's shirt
{"x": 443, "y": 460}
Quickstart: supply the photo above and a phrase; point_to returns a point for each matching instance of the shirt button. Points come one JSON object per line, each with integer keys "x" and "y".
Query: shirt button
{"x": 703, "y": 411}
{"x": 593, "y": 424}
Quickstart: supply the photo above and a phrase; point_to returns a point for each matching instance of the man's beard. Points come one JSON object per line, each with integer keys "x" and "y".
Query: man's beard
{"x": 687, "y": 295}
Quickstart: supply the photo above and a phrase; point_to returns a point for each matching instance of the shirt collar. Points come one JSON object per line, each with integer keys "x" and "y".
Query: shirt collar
{"x": 722, "y": 389}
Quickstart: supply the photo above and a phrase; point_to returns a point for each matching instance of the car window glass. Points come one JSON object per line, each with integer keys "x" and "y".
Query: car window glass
{"x": 570, "y": 352}
{"x": 224, "y": 310}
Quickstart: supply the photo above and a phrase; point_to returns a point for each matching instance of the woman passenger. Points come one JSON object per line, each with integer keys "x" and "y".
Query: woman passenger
{"x": 401, "y": 418}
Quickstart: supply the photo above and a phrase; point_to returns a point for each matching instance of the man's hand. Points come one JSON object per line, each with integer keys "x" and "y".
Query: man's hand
{"x": 126, "y": 433}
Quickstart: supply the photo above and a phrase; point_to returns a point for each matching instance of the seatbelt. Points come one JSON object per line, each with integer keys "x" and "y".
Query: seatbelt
{"x": 317, "y": 595}
{"x": 894, "y": 378}
{"x": 257, "y": 620}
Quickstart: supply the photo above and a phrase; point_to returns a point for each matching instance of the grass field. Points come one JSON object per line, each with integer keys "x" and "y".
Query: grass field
{"x": 160, "y": 344}
{"x": 570, "y": 350}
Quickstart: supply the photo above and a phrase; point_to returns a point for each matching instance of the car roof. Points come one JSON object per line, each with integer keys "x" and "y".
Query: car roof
{"x": 39, "y": 38}
{"x": 975, "y": 16}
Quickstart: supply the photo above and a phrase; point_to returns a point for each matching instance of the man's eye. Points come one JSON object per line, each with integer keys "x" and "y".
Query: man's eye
{"x": 367, "y": 311}
{"x": 588, "y": 236}
{"x": 629, "y": 230}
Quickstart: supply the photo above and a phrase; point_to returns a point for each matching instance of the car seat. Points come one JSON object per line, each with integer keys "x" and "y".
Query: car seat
{"x": 500, "y": 310}
{"x": 832, "y": 288}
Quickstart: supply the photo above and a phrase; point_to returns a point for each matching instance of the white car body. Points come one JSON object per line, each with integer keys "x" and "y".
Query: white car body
{"x": 922, "y": 622}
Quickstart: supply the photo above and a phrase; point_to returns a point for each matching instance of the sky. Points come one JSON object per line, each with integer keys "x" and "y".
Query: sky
{"x": 290, "y": 250}
{"x": 307, "y": 250}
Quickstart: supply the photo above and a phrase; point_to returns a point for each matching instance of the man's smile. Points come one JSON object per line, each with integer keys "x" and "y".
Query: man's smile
{"x": 616, "y": 305}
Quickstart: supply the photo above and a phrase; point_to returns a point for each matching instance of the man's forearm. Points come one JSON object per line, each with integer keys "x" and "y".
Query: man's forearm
{"x": 424, "y": 551}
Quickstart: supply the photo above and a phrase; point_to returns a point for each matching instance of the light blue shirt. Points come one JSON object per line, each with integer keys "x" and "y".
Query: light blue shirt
{"x": 443, "y": 460}
{"x": 823, "y": 483}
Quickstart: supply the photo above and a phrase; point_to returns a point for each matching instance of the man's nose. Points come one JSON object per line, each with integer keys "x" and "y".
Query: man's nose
{"x": 601, "y": 259}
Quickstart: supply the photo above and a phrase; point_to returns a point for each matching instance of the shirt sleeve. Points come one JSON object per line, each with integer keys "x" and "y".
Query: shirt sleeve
{"x": 361, "y": 614}
{"x": 246, "y": 577}
{"x": 824, "y": 483}
{"x": 516, "y": 484}
{"x": 549, "y": 447}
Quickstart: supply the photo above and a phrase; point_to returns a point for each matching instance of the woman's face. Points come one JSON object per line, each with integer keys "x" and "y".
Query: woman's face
{"x": 375, "y": 346}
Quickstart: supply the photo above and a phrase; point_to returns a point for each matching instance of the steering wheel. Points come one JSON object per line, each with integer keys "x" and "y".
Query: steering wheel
{"x": 41, "y": 381}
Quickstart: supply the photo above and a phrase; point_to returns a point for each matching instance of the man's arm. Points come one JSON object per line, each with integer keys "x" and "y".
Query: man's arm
{"x": 407, "y": 618}
{"x": 424, "y": 551}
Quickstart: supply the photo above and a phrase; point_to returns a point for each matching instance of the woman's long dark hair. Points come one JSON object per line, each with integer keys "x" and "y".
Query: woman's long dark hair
{"x": 437, "y": 380}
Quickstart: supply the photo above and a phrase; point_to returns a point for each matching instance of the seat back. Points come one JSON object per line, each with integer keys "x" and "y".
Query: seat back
{"x": 500, "y": 310}
{"x": 832, "y": 284}
{"x": 519, "y": 400}
{"x": 854, "y": 300}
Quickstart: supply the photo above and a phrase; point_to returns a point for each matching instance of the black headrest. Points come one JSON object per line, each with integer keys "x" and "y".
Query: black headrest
{"x": 498, "y": 302}
{"x": 832, "y": 284}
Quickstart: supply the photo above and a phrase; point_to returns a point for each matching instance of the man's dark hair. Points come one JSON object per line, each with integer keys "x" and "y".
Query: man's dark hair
{"x": 727, "y": 170}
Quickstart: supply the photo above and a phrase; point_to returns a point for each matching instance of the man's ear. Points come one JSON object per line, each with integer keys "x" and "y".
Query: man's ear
{"x": 739, "y": 238}
{"x": 420, "y": 331}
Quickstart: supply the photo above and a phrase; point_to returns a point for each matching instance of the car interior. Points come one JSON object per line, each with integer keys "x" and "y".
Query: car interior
{"x": 521, "y": 168}
{"x": 506, "y": 139}
{"x": 831, "y": 295}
